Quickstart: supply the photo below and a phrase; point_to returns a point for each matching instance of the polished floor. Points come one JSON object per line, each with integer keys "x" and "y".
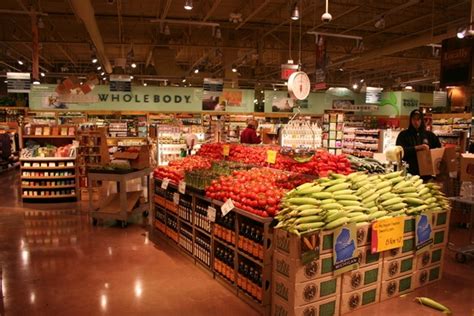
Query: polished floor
{"x": 54, "y": 262}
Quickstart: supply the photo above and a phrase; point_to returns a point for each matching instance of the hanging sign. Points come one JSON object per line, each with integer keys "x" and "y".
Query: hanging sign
{"x": 120, "y": 83}
{"x": 344, "y": 249}
{"x": 388, "y": 234}
{"x": 18, "y": 82}
{"x": 424, "y": 232}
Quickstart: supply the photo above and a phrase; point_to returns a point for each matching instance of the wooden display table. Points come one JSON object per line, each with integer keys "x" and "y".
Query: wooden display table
{"x": 121, "y": 205}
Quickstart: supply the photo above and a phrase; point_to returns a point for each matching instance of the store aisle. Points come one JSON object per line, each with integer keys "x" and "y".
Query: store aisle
{"x": 55, "y": 263}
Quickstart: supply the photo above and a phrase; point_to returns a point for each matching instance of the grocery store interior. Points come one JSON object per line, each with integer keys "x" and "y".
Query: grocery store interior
{"x": 209, "y": 157}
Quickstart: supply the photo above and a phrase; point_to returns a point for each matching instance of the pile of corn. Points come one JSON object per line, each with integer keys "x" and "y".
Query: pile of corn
{"x": 357, "y": 198}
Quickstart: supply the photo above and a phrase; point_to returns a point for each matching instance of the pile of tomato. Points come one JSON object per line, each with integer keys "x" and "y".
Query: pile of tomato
{"x": 257, "y": 191}
{"x": 176, "y": 169}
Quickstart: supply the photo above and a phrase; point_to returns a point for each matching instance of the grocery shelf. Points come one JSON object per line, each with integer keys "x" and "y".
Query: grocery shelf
{"x": 229, "y": 284}
{"x": 48, "y": 136}
{"x": 49, "y": 196}
{"x": 248, "y": 257}
{"x": 202, "y": 231}
{"x": 48, "y": 168}
{"x": 48, "y": 177}
{"x": 225, "y": 243}
{"x": 47, "y": 158}
{"x": 48, "y": 187}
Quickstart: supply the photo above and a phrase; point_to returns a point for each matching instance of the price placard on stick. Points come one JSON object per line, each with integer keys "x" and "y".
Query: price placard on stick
{"x": 164, "y": 183}
{"x": 227, "y": 207}
{"x": 182, "y": 187}
{"x": 225, "y": 150}
{"x": 271, "y": 156}
{"x": 388, "y": 234}
{"x": 176, "y": 198}
{"x": 211, "y": 214}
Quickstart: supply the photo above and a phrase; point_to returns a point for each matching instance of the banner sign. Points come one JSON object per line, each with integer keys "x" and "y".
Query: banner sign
{"x": 18, "y": 82}
{"x": 120, "y": 83}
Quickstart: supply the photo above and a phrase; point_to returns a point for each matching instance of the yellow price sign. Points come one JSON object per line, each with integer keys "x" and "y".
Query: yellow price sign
{"x": 388, "y": 234}
{"x": 271, "y": 156}
{"x": 225, "y": 150}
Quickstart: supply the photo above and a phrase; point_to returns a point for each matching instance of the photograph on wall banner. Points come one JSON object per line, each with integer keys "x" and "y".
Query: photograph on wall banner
{"x": 302, "y": 104}
{"x": 282, "y": 105}
{"x": 342, "y": 104}
{"x": 212, "y": 91}
{"x": 231, "y": 98}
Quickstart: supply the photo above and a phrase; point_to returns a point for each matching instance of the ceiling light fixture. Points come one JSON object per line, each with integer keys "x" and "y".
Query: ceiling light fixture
{"x": 196, "y": 70}
{"x": 133, "y": 65}
{"x": 361, "y": 80}
{"x": 461, "y": 33}
{"x": 42, "y": 74}
{"x": 94, "y": 59}
{"x": 99, "y": 67}
{"x": 295, "y": 13}
{"x": 217, "y": 33}
{"x": 20, "y": 62}
{"x": 326, "y": 17}
{"x": 102, "y": 73}
{"x": 40, "y": 23}
{"x": 131, "y": 77}
{"x": 184, "y": 80}
{"x": 355, "y": 86}
{"x": 188, "y": 5}
{"x": 145, "y": 84}
{"x": 104, "y": 78}
{"x": 380, "y": 23}
{"x": 167, "y": 30}
{"x": 36, "y": 82}
{"x": 234, "y": 69}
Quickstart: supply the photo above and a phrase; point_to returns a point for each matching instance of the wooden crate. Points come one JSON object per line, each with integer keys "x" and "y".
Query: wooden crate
{"x": 367, "y": 258}
{"x": 400, "y": 266}
{"x": 364, "y": 297}
{"x": 407, "y": 249}
{"x": 362, "y": 277}
{"x": 429, "y": 257}
{"x": 299, "y": 294}
{"x": 429, "y": 275}
{"x": 294, "y": 271}
{"x": 397, "y": 287}
{"x": 326, "y": 307}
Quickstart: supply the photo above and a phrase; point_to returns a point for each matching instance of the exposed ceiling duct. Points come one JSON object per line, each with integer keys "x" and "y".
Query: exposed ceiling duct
{"x": 85, "y": 12}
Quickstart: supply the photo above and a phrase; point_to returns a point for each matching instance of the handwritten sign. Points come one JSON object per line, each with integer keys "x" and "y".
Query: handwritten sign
{"x": 225, "y": 150}
{"x": 164, "y": 183}
{"x": 227, "y": 207}
{"x": 182, "y": 187}
{"x": 176, "y": 198}
{"x": 271, "y": 156}
{"x": 211, "y": 214}
{"x": 387, "y": 234}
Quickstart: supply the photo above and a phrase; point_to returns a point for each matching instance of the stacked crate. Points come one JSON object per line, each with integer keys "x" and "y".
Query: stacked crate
{"x": 302, "y": 289}
{"x": 361, "y": 287}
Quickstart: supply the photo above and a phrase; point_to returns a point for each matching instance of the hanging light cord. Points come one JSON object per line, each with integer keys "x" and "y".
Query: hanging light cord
{"x": 299, "y": 57}
{"x": 289, "y": 48}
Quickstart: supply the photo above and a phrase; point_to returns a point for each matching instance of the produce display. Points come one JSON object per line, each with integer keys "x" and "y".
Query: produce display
{"x": 46, "y": 151}
{"x": 257, "y": 191}
{"x": 357, "y": 198}
{"x": 176, "y": 169}
{"x": 320, "y": 164}
{"x": 201, "y": 178}
{"x": 366, "y": 164}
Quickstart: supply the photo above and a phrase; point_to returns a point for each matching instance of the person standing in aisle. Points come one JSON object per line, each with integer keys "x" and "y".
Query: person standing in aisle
{"x": 190, "y": 139}
{"x": 249, "y": 134}
{"x": 414, "y": 139}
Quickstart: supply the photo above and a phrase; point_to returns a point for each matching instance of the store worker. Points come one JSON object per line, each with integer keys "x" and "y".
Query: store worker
{"x": 190, "y": 139}
{"x": 249, "y": 135}
{"x": 414, "y": 139}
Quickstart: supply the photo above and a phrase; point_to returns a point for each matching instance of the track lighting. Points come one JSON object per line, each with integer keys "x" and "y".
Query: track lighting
{"x": 99, "y": 67}
{"x": 188, "y": 5}
{"x": 461, "y": 33}
{"x": 355, "y": 86}
{"x": 234, "y": 68}
{"x": 42, "y": 74}
{"x": 20, "y": 62}
{"x": 94, "y": 59}
{"x": 295, "y": 13}
{"x": 133, "y": 65}
{"x": 196, "y": 70}
{"x": 102, "y": 73}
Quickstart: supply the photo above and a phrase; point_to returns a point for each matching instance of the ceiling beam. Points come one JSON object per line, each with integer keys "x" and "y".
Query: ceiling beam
{"x": 254, "y": 12}
{"x": 210, "y": 12}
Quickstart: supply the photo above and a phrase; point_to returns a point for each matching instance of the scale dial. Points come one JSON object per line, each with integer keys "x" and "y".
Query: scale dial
{"x": 299, "y": 85}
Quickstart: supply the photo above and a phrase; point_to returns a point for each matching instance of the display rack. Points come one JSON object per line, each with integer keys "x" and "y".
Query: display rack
{"x": 92, "y": 152}
{"x": 300, "y": 133}
{"x": 236, "y": 248}
{"x": 362, "y": 142}
{"x": 332, "y": 136}
{"x": 171, "y": 144}
{"x": 48, "y": 178}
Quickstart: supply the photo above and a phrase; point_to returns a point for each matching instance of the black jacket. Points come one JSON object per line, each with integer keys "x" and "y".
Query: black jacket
{"x": 410, "y": 138}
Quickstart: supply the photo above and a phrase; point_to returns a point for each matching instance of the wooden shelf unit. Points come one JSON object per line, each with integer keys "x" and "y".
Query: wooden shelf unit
{"x": 34, "y": 179}
{"x": 163, "y": 210}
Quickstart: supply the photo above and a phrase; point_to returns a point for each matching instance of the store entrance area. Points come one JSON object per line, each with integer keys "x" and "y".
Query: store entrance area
{"x": 54, "y": 262}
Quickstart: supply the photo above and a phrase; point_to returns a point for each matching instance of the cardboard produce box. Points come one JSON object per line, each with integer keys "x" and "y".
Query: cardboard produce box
{"x": 429, "y": 162}
{"x": 467, "y": 167}
{"x": 360, "y": 298}
{"x": 367, "y": 258}
{"x": 326, "y": 307}
{"x": 429, "y": 257}
{"x": 441, "y": 219}
{"x": 294, "y": 271}
{"x": 429, "y": 275}
{"x": 363, "y": 238}
{"x": 294, "y": 246}
{"x": 395, "y": 268}
{"x": 299, "y": 294}
{"x": 397, "y": 287}
{"x": 440, "y": 237}
{"x": 408, "y": 248}
{"x": 360, "y": 278}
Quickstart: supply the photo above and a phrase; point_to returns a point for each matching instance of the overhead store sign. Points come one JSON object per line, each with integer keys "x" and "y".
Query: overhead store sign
{"x": 321, "y": 63}
{"x": 439, "y": 99}
{"x": 120, "y": 83}
{"x": 456, "y": 62}
{"x": 18, "y": 82}
{"x": 373, "y": 95}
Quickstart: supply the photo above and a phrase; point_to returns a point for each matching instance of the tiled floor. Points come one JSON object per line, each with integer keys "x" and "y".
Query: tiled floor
{"x": 55, "y": 263}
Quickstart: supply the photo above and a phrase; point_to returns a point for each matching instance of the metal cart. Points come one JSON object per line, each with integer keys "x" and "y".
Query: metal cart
{"x": 465, "y": 252}
{"x": 121, "y": 205}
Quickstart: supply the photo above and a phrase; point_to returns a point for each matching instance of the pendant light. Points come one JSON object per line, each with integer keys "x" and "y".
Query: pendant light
{"x": 188, "y": 5}
{"x": 295, "y": 13}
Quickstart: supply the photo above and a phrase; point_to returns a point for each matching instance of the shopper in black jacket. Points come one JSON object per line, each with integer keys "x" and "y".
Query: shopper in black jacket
{"x": 416, "y": 138}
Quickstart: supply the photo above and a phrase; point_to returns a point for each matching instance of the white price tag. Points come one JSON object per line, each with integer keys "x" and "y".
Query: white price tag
{"x": 227, "y": 207}
{"x": 164, "y": 184}
{"x": 176, "y": 198}
{"x": 211, "y": 214}
{"x": 182, "y": 187}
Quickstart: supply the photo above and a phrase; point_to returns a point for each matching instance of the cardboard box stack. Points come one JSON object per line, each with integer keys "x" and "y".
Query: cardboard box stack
{"x": 312, "y": 289}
